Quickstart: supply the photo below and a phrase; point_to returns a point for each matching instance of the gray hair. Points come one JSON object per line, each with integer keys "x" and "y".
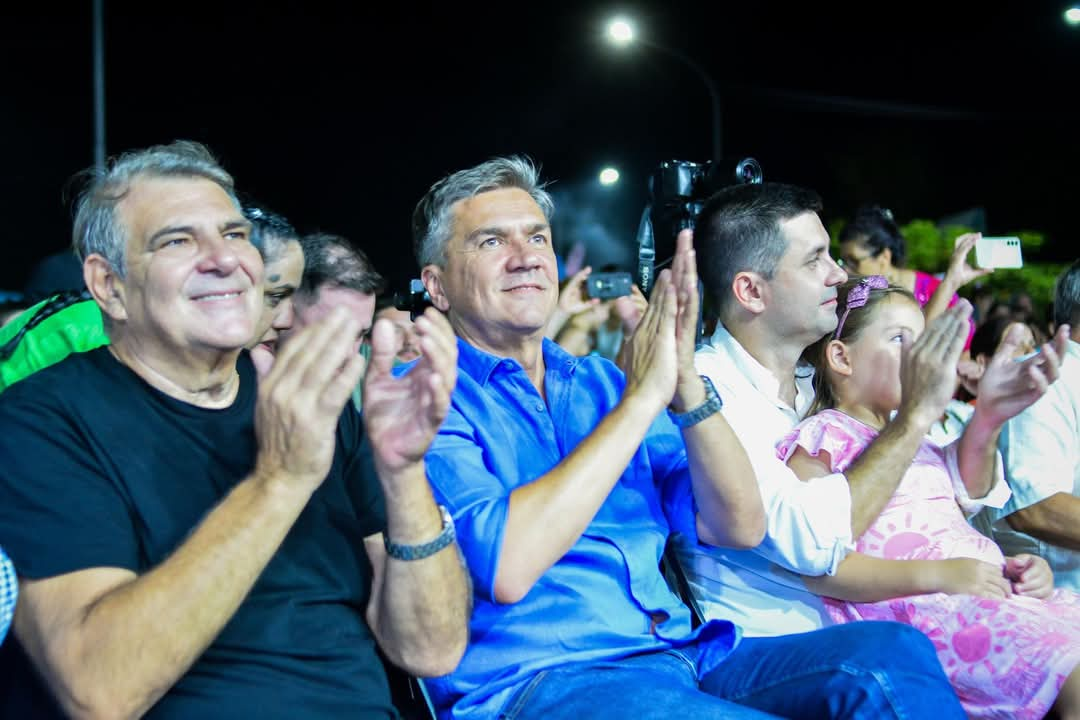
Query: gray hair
{"x": 432, "y": 222}
{"x": 1067, "y": 296}
{"x": 97, "y": 230}
{"x": 738, "y": 230}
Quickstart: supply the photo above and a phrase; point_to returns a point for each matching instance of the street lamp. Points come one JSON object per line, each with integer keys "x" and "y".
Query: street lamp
{"x": 621, "y": 34}
{"x": 1072, "y": 15}
{"x": 609, "y": 176}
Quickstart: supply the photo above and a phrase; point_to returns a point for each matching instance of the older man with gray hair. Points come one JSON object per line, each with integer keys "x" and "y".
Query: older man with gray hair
{"x": 192, "y": 542}
{"x": 565, "y": 478}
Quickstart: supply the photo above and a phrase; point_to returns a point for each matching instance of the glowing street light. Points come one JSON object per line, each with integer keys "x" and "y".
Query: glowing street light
{"x": 1072, "y": 15}
{"x": 621, "y": 34}
{"x": 609, "y": 176}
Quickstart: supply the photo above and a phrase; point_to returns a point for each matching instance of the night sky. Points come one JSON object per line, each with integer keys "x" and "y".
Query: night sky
{"x": 340, "y": 118}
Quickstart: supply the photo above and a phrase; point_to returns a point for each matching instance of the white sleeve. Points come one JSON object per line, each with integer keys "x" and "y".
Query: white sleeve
{"x": 996, "y": 497}
{"x": 809, "y": 523}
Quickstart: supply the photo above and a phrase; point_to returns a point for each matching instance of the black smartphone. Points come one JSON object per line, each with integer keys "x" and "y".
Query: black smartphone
{"x": 608, "y": 285}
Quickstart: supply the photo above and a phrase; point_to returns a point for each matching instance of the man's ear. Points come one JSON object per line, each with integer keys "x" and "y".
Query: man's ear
{"x": 750, "y": 291}
{"x": 838, "y": 357}
{"x": 431, "y": 276}
{"x": 106, "y": 286}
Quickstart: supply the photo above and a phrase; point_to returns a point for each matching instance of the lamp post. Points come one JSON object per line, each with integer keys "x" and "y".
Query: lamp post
{"x": 621, "y": 33}
{"x": 99, "y": 84}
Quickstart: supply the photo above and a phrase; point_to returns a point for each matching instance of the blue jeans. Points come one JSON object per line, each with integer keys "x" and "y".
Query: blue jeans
{"x": 864, "y": 671}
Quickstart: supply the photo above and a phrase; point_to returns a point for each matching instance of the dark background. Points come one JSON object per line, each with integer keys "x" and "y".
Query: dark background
{"x": 340, "y": 117}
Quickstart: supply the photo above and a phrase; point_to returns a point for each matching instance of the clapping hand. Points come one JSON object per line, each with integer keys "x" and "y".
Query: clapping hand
{"x": 1010, "y": 385}
{"x": 402, "y": 414}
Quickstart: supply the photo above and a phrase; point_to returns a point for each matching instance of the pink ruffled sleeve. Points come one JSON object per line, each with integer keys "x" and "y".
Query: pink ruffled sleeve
{"x": 829, "y": 431}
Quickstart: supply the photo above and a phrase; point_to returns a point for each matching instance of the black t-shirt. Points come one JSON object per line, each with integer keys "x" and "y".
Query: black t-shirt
{"x": 99, "y": 469}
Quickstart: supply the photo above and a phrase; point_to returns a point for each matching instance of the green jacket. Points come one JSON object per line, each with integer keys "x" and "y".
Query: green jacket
{"x": 77, "y": 327}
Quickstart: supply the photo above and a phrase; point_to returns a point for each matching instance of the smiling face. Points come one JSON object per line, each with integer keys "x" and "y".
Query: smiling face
{"x": 500, "y": 282}
{"x": 194, "y": 280}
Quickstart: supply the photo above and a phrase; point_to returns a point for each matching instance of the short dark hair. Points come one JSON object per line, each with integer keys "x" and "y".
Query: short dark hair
{"x": 738, "y": 230}
{"x": 332, "y": 261}
{"x": 874, "y": 227}
{"x": 1067, "y": 296}
{"x": 270, "y": 232}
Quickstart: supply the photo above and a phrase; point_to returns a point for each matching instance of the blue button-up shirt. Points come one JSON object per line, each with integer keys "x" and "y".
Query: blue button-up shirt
{"x": 605, "y": 599}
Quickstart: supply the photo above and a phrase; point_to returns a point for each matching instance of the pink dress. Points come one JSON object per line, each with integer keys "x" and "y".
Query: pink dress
{"x": 1005, "y": 658}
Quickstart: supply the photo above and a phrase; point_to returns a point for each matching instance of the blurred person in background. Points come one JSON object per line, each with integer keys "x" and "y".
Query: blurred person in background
{"x": 871, "y": 244}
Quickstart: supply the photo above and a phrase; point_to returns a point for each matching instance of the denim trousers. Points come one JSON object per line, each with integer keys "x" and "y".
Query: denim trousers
{"x": 864, "y": 671}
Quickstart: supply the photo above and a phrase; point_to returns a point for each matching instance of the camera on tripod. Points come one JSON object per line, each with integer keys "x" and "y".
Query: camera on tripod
{"x": 677, "y": 191}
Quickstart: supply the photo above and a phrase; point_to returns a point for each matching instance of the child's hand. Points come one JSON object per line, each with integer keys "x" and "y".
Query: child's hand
{"x": 964, "y": 576}
{"x": 1031, "y": 576}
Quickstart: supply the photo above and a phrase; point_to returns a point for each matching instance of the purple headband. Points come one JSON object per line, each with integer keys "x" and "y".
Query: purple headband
{"x": 858, "y": 296}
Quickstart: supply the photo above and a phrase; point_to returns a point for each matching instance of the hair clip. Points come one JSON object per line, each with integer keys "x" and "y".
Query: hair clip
{"x": 858, "y": 296}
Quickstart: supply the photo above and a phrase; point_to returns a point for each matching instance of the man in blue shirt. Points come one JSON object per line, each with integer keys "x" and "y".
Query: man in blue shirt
{"x": 565, "y": 478}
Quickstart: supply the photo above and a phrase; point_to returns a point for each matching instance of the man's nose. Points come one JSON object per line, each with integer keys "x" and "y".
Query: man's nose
{"x": 524, "y": 253}
{"x": 283, "y": 318}
{"x": 836, "y": 274}
{"x": 218, "y": 255}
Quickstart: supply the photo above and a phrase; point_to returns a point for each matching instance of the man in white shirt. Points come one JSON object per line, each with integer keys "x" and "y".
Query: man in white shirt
{"x": 763, "y": 256}
{"x": 1041, "y": 447}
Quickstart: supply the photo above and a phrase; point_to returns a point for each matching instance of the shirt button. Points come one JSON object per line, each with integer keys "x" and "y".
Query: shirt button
{"x": 539, "y": 407}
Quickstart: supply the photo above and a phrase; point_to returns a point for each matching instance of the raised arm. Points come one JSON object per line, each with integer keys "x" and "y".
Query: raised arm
{"x": 419, "y": 609}
{"x": 1007, "y": 388}
{"x": 548, "y": 515}
{"x": 959, "y": 274}
{"x": 110, "y": 642}
{"x": 928, "y": 379}
{"x": 730, "y": 511}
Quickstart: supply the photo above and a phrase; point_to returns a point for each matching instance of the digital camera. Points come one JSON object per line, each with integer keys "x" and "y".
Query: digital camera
{"x": 677, "y": 191}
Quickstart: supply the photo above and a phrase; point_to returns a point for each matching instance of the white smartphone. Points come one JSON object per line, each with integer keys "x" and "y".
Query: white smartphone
{"x": 998, "y": 252}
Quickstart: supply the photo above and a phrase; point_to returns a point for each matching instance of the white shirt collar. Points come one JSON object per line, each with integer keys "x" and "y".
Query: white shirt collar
{"x": 763, "y": 379}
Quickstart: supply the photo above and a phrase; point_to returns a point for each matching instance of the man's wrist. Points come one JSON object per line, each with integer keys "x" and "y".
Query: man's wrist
{"x": 711, "y": 405}
{"x": 418, "y": 551}
{"x": 983, "y": 429}
{"x": 913, "y": 420}
{"x": 689, "y": 395}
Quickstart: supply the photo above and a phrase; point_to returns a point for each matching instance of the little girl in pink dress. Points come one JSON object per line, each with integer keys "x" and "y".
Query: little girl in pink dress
{"x": 1010, "y": 651}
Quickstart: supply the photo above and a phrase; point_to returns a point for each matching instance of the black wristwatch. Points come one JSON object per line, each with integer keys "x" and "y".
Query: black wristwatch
{"x": 419, "y": 552}
{"x": 712, "y": 404}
